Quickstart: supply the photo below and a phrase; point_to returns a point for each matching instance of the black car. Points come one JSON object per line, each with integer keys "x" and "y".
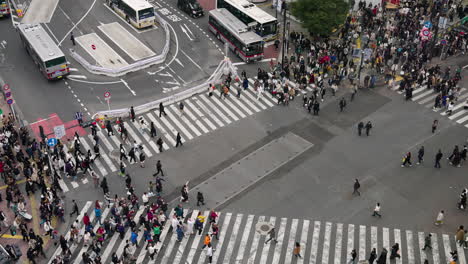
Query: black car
{"x": 191, "y": 7}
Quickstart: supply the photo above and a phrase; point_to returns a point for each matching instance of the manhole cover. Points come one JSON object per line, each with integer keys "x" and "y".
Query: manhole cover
{"x": 263, "y": 227}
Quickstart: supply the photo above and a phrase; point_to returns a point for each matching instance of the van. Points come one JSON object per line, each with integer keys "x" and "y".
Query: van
{"x": 191, "y": 7}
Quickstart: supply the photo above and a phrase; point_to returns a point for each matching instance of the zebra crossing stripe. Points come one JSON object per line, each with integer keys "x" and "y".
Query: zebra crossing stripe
{"x": 58, "y": 251}
{"x": 230, "y": 103}
{"x": 74, "y": 184}
{"x": 109, "y": 247}
{"x": 266, "y": 95}
{"x": 115, "y": 139}
{"x": 292, "y": 240}
{"x": 409, "y": 242}
{"x": 447, "y": 247}
{"x": 171, "y": 112}
{"x": 254, "y": 246}
{"x": 194, "y": 119}
{"x": 184, "y": 242}
{"x": 121, "y": 247}
{"x": 219, "y": 245}
{"x": 250, "y": 94}
{"x": 197, "y": 240}
{"x": 232, "y": 239}
{"x": 338, "y": 243}
{"x": 171, "y": 128}
{"x": 149, "y": 139}
{"x": 137, "y": 139}
{"x": 238, "y": 102}
{"x": 420, "y": 89}
{"x": 422, "y": 253}
{"x": 79, "y": 257}
{"x": 428, "y": 99}
{"x": 461, "y": 253}
{"x": 457, "y": 106}
{"x": 315, "y": 240}
{"x": 326, "y": 243}
{"x": 103, "y": 138}
{"x": 415, "y": 98}
{"x": 208, "y": 111}
{"x": 462, "y": 120}
{"x": 457, "y": 114}
{"x": 303, "y": 241}
{"x": 163, "y": 235}
{"x": 96, "y": 161}
{"x": 362, "y": 242}
{"x": 214, "y": 108}
{"x": 63, "y": 185}
{"x": 264, "y": 255}
{"x": 224, "y": 108}
{"x": 435, "y": 249}
{"x": 171, "y": 244}
{"x": 374, "y": 237}
{"x": 281, "y": 236}
{"x": 246, "y": 101}
{"x": 350, "y": 240}
{"x": 81, "y": 232}
{"x": 163, "y": 131}
{"x": 201, "y": 115}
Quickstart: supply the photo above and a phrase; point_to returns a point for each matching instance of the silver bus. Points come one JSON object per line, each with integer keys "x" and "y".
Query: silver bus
{"x": 139, "y": 13}
{"x": 45, "y": 53}
{"x": 227, "y": 28}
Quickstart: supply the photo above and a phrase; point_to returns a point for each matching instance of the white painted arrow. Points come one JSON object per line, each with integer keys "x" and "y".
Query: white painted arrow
{"x": 186, "y": 33}
{"x": 128, "y": 87}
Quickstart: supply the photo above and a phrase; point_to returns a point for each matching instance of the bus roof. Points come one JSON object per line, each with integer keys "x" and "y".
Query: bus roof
{"x": 138, "y": 4}
{"x": 40, "y": 41}
{"x": 235, "y": 26}
{"x": 252, "y": 10}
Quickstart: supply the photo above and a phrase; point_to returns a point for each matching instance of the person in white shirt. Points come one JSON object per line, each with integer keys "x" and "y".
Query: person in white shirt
{"x": 145, "y": 199}
{"x": 152, "y": 251}
{"x": 209, "y": 253}
{"x": 377, "y": 210}
{"x": 190, "y": 224}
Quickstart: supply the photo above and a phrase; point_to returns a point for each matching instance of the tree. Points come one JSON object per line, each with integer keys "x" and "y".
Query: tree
{"x": 320, "y": 17}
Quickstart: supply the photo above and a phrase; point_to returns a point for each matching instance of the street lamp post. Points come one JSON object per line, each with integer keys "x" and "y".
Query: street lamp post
{"x": 284, "y": 8}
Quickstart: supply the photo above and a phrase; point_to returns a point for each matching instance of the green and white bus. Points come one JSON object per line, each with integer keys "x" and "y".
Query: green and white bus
{"x": 244, "y": 43}
{"x": 254, "y": 17}
{"x": 139, "y": 13}
{"x": 45, "y": 53}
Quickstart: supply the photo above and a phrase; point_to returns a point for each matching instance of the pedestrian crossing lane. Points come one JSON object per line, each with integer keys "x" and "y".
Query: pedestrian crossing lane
{"x": 160, "y": 130}
{"x": 199, "y": 114}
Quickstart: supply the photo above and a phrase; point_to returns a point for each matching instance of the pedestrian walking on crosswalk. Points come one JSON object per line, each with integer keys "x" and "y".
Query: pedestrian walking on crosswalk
{"x": 360, "y": 127}
{"x": 342, "y": 104}
{"x": 353, "y": 258}
{"x": 160, "y": 143}
{"x": 200, "y": 199}
{"x": 159, "y": 168}
{"x": 427, "y": 242}
{"x": 395, "y": 251}
{"x": 368, "y": 128}
{"x": 438, "y": 158}
{"x": 75, "y": 208}
{"x": 272, "y": 236}
{"x": 420, "y": 155}
{"x": 297, "y": 250}
{"x": 356, "y": 187}
{"x": 383, "y": 257}
{"x": 152, "y": 130}
{"x": 161, "y": 110}
{"x": 132, "y": 114}
{"x": 206, "y": 241}
{"x": 178, "y": 140}
{"x": 407, "y": 160}
{"x": 209, "y": 253}
{"x": 122, "y": 153}
{"x": 142, "y": 158}
{"x": 372, "y": 256}
{"x": 377, "y": 210}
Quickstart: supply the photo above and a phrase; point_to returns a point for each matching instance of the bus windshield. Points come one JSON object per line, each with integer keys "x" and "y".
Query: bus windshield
{"x": 55, "y": 62}
{"x": 254, "y": 48}
{"x": 145, "y": 13}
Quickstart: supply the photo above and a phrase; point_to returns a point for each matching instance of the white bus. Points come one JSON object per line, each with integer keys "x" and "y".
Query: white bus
{"x": 45, "y": 53}
{"x": 139, "y": 13}
{"x": 260, "y": 21}
{"x": 227, "y": 28}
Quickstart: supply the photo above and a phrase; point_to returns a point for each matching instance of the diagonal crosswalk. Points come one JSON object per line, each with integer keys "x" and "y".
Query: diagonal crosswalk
{"x": 201, "y": 115}
{"x": 240, "y": 241}
{"x": 426, "y": 97}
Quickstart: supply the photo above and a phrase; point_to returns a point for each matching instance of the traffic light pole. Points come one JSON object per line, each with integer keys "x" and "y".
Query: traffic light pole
{"x": 284, "y": 33}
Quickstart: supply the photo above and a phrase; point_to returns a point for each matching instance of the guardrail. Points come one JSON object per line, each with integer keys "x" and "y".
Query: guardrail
{"x": 224, "y": 68}
{"x": 136, "y": 66}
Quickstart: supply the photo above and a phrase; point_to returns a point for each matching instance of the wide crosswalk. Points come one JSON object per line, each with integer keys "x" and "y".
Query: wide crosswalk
{"x": 426, "y": 97}
{"x": 242, "y": 239}
{"x": 201, "y": 115}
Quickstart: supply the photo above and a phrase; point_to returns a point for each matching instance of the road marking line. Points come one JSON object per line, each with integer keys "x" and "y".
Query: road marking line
{"x": 326, "y": 243}
{"x": 97, "y": 162}
{"x": 254, "y": 246}
{"x": 386, "y": 240}
{"x": 210, "y": 104}
{"x": 208, "y": 112}
{"x": 362, "y": 242}
{"x": 196, "y": 241}
{"x": 172, "y": 114}
{"x": 350, "y": 239}
{"x": 409, "y": 244}
{"x": 195, "y": 119}
{"x": 447, "y": 247}
{"x": 315, "y": 240}
{"x": 222, "y": 106}
{"x": 219, "y": 245}
{"x": 435, "y": 249}
{"x": 339, "y": 239}
{"x": 232, "y": 240}
{"x": 422, "y": 253}
{"x": 148, "y": 138}
{"x": 136, "y": 138}
{"x": 170, "y": 127}
{"x": 161, "y": 130}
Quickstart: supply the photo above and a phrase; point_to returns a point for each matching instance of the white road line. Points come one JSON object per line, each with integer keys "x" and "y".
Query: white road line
{"x": 280, "y": 238}
{"x": 292, "y": 240}
{"x": 461, "y": 253}
{"x": 315, "y": 240}
{"x": 428, "y": 99}
{"x": 196, "y": 242}
{"x": 181, "y": 129}
{"x": 250, "y": 94}
{"x": 210, "y": 104}
{"x": 326, "y": 243}
{"x": 457, "y": 106}
{"x": 74, "y": 184}
{"x": 183, "y": 244}
{"x": 461, "y": 120}
{"x": 194, "y": 119}
{"x": 209, "y": 112}
{"x": 409, "y": 244}
{"x": 186, "y": 120}
{"x": 238, "y": 102}
{"x": 163, "y": 235}
{"x": 230, "y": 104}
{"x": 202, "y": 257}
{"x": 457, "y": 114}
{"x": 338, "y": 243}
{"x": 362, "y": 242}
{"x": 85, "y": 208}
{"x": 232, "y": 239}
{"x": 135, "y": 137}
{"x": 447, "y": 247}
{"x": 224, "y": 227}
{"x": 415, "y": 98}
{"x": 254, "y": 246}
{"x": 127, "y": 234}
{"x": 386, "y": 241}
{"x": 103, "y": 138}
{"x": 170, "y": 127}
{"x": 63, "y": 185}
{"x": 96, "y": 161}
{"x": 350, "y": 240}
{"x": 422, "y": 253}
{"x": 264, "y": 95}
{"x": 81, "y": 232}
{"x": 201, "y": 115}
{"x": 222, "y": 106}
{"x": 245, "y": 100}
{"x": 435, "y": 249}
{"x": 374, "y": 238}
{"x": 148, "y": 138}
{"x": 163, "y": 131}
{"x": 303, "y": 241}
{"x": 266, "y": 248}
{"x": 420, "y": 89}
